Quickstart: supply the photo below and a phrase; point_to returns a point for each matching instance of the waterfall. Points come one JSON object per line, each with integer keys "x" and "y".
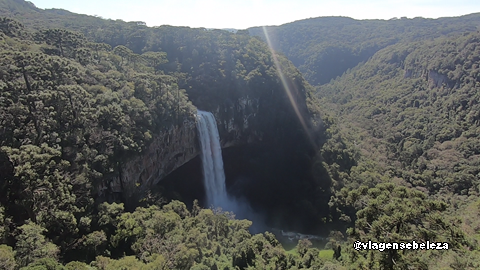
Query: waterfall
{"x": 211, "y": 155}
{"x": 214, "y": 175}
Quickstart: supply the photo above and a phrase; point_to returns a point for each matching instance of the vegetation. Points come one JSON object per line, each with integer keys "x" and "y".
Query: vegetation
{"x": 408, "y": 120}
{"x": 73, "y": 110}
{"x": 399, "y": 100}
{"x": 325, "y": 47}
{"x": 418, "y": 103}
{"x": 396, "y": 133}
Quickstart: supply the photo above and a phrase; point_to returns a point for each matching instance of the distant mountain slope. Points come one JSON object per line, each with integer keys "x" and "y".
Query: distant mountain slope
{"x": 410, "y": 117}
{"x": 203, "y": 60}
{"x": 15, "y": 7}
{"x": 34, "y": 17}
{"x": 324, "y": 48}
{"x": 415, "y": 107}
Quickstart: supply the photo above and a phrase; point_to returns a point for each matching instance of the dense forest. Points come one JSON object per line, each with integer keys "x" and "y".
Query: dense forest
{"x": 388, "y": 149}
{"x": 401, "y": 96}
{"x": 324, "y": 48}
{"x": 411, "y": 112}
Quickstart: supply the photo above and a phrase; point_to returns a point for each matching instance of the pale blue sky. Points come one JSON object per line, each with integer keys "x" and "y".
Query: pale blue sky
{"x": 242, "y": 14}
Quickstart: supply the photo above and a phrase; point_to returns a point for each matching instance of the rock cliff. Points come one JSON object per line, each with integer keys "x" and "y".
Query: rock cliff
{"x": 433, "y": 77}
{"x": 177, "y": 145}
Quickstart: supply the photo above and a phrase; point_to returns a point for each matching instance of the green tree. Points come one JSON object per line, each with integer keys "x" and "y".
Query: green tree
{"x": 4, "y": 225}
{"x": 123, "y": 52}
{"x": 155, "y": 59}
{"x": 11, "y": 27}
{"x": 42, "y": 187}
{"x": 65, "y": 41}
{"x": 390, "y": 213}
{"x": 303, "y": 246}
{"x": 125, "y": 263}
{"x": 44, "y": 264}
{"x": 7, "y": 258}
{"x": 77, "y": 266}
{"x": 31, "y": 245}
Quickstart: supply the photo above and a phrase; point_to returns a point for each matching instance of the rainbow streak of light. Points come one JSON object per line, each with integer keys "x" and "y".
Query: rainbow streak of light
{"x": 287, "y": 89}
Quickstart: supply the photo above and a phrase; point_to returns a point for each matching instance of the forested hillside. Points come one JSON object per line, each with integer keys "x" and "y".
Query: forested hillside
{"x": 410, "y": 116}
{"x": 324, "y": 48}
{"x": 389, "y": 150}
{"x": 74, "y": 110}
{"x": 401, "y": 98}
{"x": 414, "y": 108}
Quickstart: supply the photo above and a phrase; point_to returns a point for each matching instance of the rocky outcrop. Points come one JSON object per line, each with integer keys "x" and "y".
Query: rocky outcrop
{"x": 407, "y": 73}
{"x": 234, "y": 121}
{"x": 177, "y": 145}
{"x": 169, "y": 150}
{"x": 7, "y": 170}
{"x": 436, "y": 79}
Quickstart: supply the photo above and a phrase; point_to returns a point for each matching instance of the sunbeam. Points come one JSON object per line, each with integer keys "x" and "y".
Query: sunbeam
{"x": 287, "y": 88}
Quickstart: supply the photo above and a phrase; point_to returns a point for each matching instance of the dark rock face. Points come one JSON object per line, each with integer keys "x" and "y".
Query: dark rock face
{"x": 435, "y": 79}
{"x": 260, "y": 112}
{"x": 6, "y": 173}
{"x": 178, "y": 145}
{"x": 274, "y": 180}
{"x": 169, "y": 150}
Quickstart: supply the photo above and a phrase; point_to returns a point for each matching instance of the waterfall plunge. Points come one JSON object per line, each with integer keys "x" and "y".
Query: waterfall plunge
{"x": 214, "y": 175}
{"x": 211, "y": 155}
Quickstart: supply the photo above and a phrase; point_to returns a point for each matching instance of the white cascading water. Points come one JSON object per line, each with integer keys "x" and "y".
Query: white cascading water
{"x": 211, "y": 155}
{"x": 214, "y": 175}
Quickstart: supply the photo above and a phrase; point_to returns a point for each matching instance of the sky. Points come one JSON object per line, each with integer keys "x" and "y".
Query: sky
{"x": 241, "y": 14}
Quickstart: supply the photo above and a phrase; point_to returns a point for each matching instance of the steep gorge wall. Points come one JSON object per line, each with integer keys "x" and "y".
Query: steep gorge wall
{"x": 177, "y": 145}
{"x": 169, "y": 150}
